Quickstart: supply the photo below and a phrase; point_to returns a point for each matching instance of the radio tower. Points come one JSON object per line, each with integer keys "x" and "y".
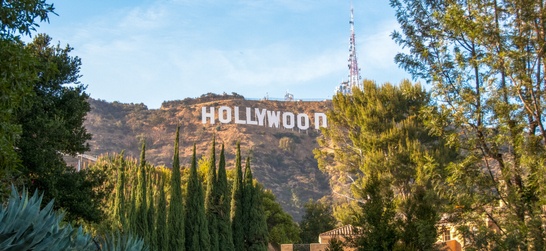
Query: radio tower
{"x": 354, "y": 72}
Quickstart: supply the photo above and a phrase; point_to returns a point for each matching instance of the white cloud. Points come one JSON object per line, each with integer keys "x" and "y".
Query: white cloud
{"x": 377, "y": 52}
{"x": 271, "y": 65}
{"x": 144, "y": 18}
{"x": 164, "y": 50}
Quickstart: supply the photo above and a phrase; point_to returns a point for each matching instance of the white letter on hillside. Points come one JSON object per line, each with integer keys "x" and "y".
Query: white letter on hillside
{"x": 224, "y": 114}
{"x": 305, "y": 124}
{"x": 285, "y": 120}
{"x": 249, "y": 117}
{"x": 205, "y": 115}
{"x": 260, "y": 115}
{"x": 320, "y": 117}
{"x": 237, "y": 119}
{"x": 273, "y": 118}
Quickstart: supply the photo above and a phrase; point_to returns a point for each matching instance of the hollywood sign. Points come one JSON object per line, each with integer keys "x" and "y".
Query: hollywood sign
{"x": 262, "y": 117}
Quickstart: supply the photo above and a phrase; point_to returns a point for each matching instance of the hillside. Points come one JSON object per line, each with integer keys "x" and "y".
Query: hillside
{"x": 282, "y": 159}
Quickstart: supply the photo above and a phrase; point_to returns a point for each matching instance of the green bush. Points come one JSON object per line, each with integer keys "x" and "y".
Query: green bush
{"x": 335, "y": 245}
{"x": 287, "y": 144}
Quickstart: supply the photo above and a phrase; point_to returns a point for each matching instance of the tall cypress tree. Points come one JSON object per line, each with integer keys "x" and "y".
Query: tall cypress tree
{"x": 197, "y": 233}
{"x": 119, "y": 210}
{"x": 141, "y": 204}
{"x": 256, "y": 235}
{"x": 151, "y": 212}
{"x": 211, "y": 200}
{"x": 175, "y": 221}
{"x": 237, "y": 219}
{"x": 225, "y": 237}
{"x": 246, "y": 200}
{"x": 132, "y": 214}
{"x": 161, "y": 222}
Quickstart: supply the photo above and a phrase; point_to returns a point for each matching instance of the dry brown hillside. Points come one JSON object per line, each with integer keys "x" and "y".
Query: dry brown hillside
{"x": 282, "y": 159}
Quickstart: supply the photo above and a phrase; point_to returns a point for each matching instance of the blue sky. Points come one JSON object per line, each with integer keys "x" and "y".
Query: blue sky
{"x": 149, "y": 51}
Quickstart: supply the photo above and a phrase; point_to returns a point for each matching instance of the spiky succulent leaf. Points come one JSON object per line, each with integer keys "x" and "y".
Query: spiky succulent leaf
{"x": 24, "y": 226}
{"x": 122, "y": 242}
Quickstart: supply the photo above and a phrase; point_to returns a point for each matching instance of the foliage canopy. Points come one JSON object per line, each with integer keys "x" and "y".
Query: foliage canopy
{"x": 485, "y": 61}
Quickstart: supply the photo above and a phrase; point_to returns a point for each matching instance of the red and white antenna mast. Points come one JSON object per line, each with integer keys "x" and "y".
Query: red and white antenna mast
{"x": 354, "y": 71}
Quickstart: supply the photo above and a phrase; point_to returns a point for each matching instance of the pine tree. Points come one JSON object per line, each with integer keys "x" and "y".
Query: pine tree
{"x": 197, "y": 233}
{"x": 141, "y": 204}
{"x": 256, "y": 235}
{"x": 211, "y": 200}
{"x": 175, "y": 221}
{"x": 376, "y": 215}
{"x": 225, "y": 237}
{"x": 317, "y": 219}
{"x": 237, "y": 219}
{"x": 380, "y": 132}
{"x": 161, "y": 222}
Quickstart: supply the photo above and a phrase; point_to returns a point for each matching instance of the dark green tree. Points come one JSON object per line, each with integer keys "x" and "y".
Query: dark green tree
{"x": 151, "y": 211}
{"x": 161, "y": 222}
{"x": 237, "y": 219}
{"x": 486, "y": 64}
{"x": 52, "y": 126}
{"x": 141, "y": 193}
{"x": 132, "y": 213}
{"x": 175, "y": 220}
{"x": 119, "y": 208}
{"x": 317, "y": 219}
{"x": 255, "y": 232}
{"x": 18, "y": 68}
{"x": 19, "y": 16}
{"x": 280, "y": 225}
{"x": 225, "y": 236}
{"x": 19, "y": 72}
{"x": 237, "y": 210}
{"x": 212, "y": 200}
{"x": 420, "y": 214}
{"x": 197, "y": 233}
{"x": 82, "y": 207}
{"x": 376, "y": 217}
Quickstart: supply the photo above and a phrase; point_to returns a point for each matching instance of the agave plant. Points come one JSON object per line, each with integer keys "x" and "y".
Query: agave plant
{"x": 24, "y": 226}
{"x": 118, "y": 242}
